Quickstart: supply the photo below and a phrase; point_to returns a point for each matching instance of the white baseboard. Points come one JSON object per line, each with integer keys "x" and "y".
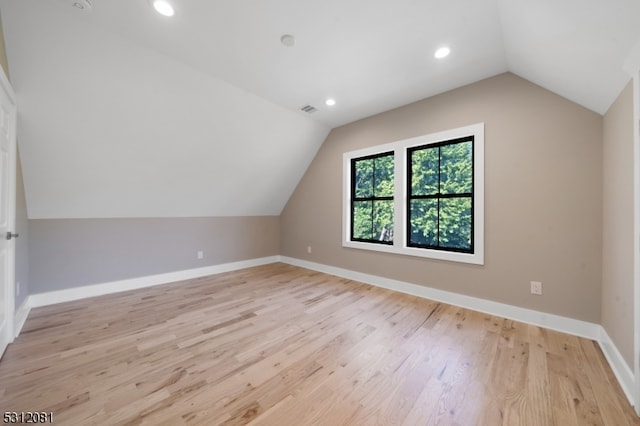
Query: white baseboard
{"x": 76, "y": 293}
{"x": 619, "y": 366}
{"x": 529, "y": 316}
{"x": 21, "y": 315}
{"x": 572, "y": 326}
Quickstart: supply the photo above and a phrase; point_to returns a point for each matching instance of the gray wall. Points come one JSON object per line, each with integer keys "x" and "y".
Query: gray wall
{"x": 66, "y": 253}
{"x": 617, "y": 232}
{"x": 543, "y": 185}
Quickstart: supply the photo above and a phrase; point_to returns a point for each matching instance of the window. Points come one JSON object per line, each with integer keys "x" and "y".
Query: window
{"x": 421, "y": 197}
{"x": 440, "y": 196}
{"x": 372, "y": 200}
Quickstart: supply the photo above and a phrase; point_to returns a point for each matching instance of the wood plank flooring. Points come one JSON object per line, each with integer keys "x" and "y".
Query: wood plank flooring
{"x": 281, "y": 345}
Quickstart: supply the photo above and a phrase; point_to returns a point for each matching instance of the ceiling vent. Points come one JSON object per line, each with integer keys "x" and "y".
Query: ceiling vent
{"x": 308, "y": 109}
{"x": 84, "y": 5}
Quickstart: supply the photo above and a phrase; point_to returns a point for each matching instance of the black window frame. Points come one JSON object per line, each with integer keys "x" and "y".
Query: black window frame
{"x": 373, "y": 198}
{"x": 439, "y": 196}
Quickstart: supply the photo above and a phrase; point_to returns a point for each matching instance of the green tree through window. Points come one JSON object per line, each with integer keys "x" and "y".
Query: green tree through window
{"x": 440, "y": 196}
{"x": 372, "y": 198}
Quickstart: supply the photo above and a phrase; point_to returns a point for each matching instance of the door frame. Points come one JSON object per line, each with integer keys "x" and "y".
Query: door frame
{"x": 10, "y": 296}
{"x": 632, "y": 67}
{"x": 636, "y": 242}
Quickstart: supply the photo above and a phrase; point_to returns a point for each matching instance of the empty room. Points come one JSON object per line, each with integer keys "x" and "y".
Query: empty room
{"x": 278, "y": 212}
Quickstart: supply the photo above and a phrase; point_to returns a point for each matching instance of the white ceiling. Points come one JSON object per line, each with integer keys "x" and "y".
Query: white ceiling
{"x": 373, "y": 55}
{"x": 126, "y": 113}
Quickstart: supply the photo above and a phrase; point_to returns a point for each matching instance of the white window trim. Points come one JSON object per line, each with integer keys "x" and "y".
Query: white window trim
{"x": 400, "y": 196}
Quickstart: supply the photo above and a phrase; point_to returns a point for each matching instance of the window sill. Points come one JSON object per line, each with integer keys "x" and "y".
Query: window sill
{"x": 475, "y": 258}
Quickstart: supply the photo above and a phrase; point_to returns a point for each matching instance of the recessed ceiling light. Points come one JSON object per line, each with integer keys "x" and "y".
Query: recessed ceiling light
{"x": 330, "y": 102}
{"x": 163, "y": 7}
{"x": 288, "y": 40}
{"x": 442, "y": 52}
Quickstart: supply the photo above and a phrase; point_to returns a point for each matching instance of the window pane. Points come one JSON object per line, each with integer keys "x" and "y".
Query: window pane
{"x": 424, "y": 222}
{"x": 364, "y": 178}
{"x": 383, "y": 179}
{"x": 455, "y": 223}
{"x": 362, "y": 214}
{"x": 424, "y": 171}
{"x": 456, "y": 168}
{"x": 383, "y": 220}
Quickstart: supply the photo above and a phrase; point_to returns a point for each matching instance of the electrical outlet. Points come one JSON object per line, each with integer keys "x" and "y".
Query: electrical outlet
{"x": 308, "y": 249}
{"x": 200, "y": 254}
{"x": 536, "y": 288}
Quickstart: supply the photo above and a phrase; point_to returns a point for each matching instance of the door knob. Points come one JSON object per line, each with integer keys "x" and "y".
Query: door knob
{"x": 10, "y": 235}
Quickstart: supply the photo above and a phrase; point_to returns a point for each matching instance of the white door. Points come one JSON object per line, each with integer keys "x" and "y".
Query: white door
{"x": 7, "y": 210}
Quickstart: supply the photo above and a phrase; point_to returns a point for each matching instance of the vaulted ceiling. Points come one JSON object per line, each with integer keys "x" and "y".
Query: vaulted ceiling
{"x": 127, "y": 113}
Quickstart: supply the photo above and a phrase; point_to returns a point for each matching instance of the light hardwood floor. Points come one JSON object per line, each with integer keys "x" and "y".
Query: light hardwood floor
{"x": 281, "y": 345}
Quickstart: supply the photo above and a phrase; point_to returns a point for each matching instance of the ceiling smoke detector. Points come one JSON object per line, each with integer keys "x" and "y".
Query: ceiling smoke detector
{"x": 288, "y": 40}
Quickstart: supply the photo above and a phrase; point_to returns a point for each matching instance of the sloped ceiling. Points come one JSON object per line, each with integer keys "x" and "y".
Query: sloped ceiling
{"x": 125, "y": 113}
